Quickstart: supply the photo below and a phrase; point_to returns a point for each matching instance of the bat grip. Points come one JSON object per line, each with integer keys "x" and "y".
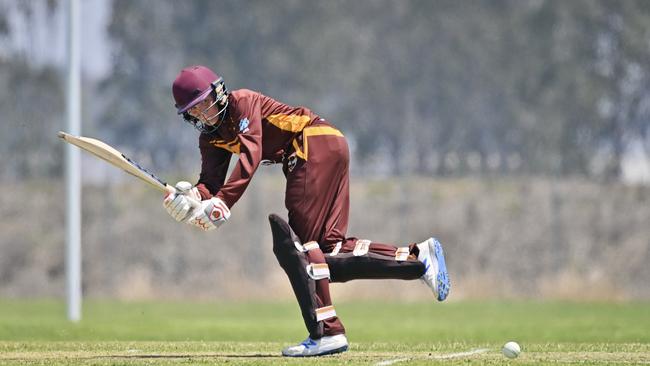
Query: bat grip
{"x": 194, "y": 203}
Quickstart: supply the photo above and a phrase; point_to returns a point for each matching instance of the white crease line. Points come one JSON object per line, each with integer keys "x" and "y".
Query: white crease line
{"x": 438, "y": 357}
{"x": 460, "y": 354}
{"x": 390, "y": 362}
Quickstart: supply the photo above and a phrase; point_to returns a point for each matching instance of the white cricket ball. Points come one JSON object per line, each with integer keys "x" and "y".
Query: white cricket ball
{"x": 511, "y": 349}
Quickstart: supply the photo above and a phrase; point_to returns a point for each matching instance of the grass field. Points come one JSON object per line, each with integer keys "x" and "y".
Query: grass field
{"x": 111, "y": 333}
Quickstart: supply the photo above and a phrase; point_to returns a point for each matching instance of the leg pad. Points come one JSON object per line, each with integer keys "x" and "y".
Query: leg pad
{"x": 309, "y": 276}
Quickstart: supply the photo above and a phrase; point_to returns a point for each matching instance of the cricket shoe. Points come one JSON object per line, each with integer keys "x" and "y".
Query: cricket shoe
{"x": 318, "y": 347}
{"x": 435, "y": 275}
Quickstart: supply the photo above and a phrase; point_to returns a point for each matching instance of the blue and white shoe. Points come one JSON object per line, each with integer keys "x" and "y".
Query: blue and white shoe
{"x": 318, "y": 347}
{"x": 435, "y": 275}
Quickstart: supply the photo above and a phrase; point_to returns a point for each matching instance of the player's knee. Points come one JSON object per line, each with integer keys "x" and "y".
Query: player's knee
{"x": 293, "y": 256}
{"x": 283, "y": 236}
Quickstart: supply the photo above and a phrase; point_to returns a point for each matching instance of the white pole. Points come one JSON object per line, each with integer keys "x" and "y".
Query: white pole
{"x": 73, "y": 172}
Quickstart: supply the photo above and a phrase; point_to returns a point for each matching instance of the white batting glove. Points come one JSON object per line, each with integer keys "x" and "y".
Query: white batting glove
{"x": 178, "y": 205}
{"x": 212, "y": 214}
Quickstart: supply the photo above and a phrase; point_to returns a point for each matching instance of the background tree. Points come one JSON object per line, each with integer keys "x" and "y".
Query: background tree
{"x": 31, "y": 101}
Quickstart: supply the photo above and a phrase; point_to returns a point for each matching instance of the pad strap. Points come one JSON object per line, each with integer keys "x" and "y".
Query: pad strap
{"x": 402, "y": 254}
{"x": 318, "y": 271}
{"x": 307, "y": 246}
{"x": 298, "y": 246}
{"x": 336, "y": 250}
{"x": 325, "y": 312}
{"x": 311, "y": 246}
{"x": 361, "y": 248}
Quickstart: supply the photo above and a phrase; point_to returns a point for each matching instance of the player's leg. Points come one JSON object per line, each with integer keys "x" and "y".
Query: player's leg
{"x": 318, "y": 202}
{"x": 317, "y": 199}
{"x": 355, "y": 259}
{"x": 306, "y": 268}
{"x": 362, "y": 259}
{"x": 317, "y": 193}
{"x": 322, "y": 213}
{"x": 312, "y": 186}
{"x": 313, "y": 200}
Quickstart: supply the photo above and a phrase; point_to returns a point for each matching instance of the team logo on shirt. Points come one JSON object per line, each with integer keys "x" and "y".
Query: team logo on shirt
{"x": 243, "y": 125}
{"x": 291, "y": 162}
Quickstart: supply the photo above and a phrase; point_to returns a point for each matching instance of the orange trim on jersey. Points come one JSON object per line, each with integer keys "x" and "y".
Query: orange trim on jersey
{"x": 232, "y": 146}
{"x": 313, "y": 131}
{"x": 288, "y": 122}
{"x": 299, "y": 152}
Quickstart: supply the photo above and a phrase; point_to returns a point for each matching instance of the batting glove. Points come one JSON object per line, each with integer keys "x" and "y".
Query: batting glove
{"x": 212, "y": 214}
{"x": 178, "y": 204}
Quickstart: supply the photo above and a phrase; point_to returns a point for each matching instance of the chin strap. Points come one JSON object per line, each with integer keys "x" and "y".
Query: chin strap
{"x": 202, "y": 126}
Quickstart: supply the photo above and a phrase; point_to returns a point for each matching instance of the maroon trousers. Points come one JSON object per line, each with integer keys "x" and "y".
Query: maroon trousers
{"x": 317, "y": 199}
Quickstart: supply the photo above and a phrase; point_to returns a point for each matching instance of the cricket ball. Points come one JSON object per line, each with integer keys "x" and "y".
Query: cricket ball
{"x": 511, "y": 349}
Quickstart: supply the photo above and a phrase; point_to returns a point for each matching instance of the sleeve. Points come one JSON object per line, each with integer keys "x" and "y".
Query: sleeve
{"x": 249, "y": 125}
{"x": 214, "y": 167}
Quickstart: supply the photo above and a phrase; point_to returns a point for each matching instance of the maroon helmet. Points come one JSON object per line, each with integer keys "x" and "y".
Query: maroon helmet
{"x": 192, "y": 85}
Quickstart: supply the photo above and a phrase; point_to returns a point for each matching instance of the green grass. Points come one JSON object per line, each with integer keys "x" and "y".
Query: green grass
{"x": 112, "y": 333}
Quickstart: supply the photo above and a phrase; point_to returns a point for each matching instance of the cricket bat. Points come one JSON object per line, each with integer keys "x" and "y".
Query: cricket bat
{"x": 112, "y": 156}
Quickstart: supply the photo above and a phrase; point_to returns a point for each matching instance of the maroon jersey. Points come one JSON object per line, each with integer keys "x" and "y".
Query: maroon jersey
{"x": 256, "y": 128}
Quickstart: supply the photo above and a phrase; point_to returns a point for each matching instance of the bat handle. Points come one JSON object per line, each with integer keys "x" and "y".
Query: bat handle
{"x": 194, "y": 203}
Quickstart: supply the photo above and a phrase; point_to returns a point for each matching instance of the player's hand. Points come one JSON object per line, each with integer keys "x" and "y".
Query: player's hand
{"x": 178, "y": 204}
{"x": 212, "y": 214}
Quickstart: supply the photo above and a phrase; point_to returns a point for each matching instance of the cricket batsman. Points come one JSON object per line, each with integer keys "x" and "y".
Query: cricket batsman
{"x": 312, "y": 247}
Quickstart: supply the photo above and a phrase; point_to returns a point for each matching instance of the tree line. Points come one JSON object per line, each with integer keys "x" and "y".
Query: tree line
{"x": 440, "y": 88}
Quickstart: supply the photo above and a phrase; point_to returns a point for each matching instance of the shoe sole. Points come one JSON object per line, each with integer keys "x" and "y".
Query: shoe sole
{"x": 442, "y": 278}
{"x": 330, "y": 352}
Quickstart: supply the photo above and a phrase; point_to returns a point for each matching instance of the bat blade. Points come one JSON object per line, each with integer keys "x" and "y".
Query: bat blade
{"x": 112, "y": 156}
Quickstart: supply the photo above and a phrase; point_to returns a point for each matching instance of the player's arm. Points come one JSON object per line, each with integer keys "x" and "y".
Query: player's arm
{"x": 216, "y": 210}
{"x": 212, "y": 211}
{"x": 214, "y": 168}
{"x": 249, "y": 124}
